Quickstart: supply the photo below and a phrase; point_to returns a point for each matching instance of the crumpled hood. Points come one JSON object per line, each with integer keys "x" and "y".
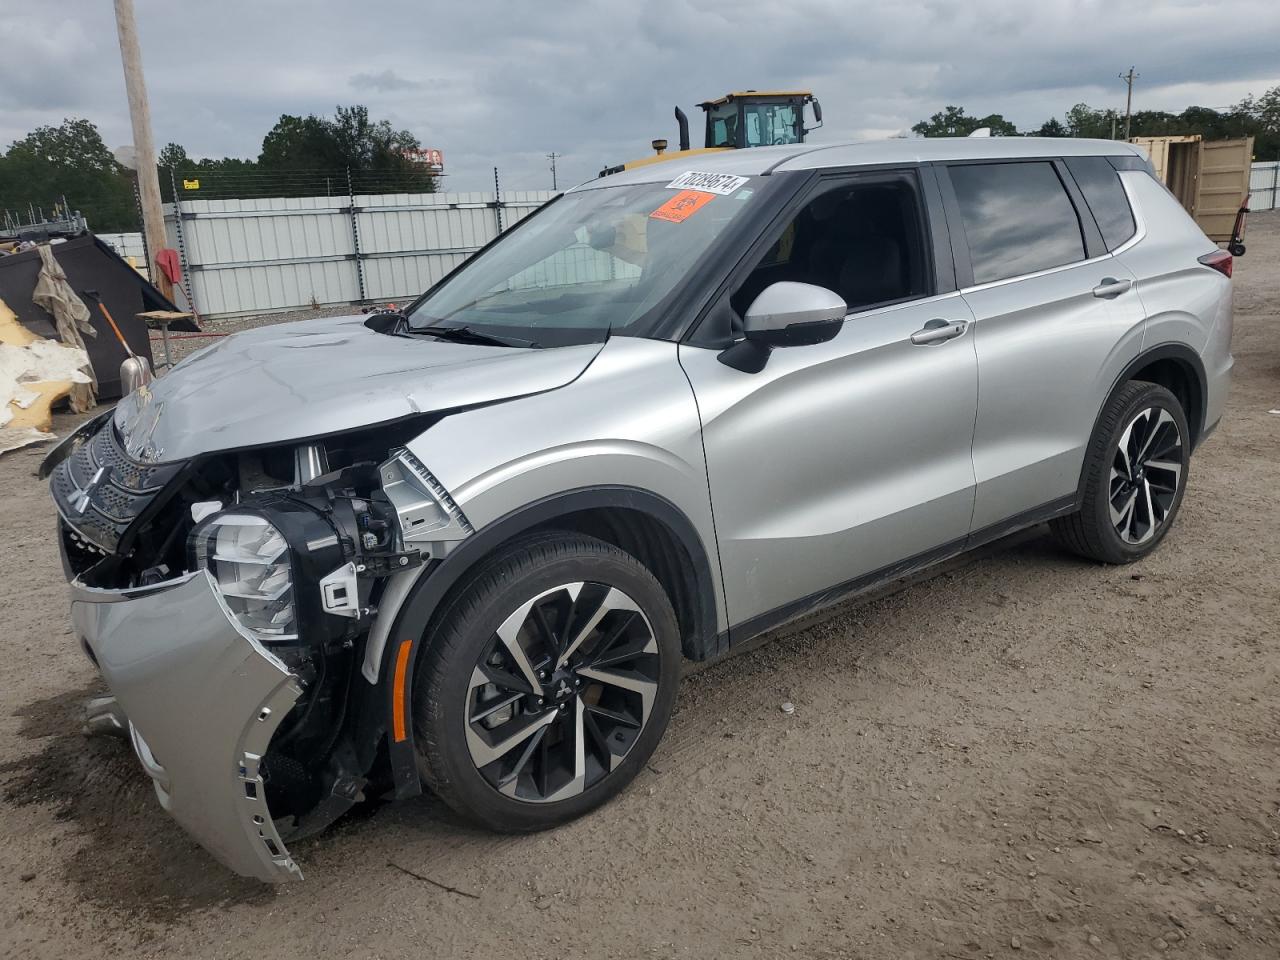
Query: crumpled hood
{"x": 298, "y": 380}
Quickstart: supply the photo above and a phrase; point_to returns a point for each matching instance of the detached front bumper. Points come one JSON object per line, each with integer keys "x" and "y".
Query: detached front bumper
{"x": 203, "y": 700}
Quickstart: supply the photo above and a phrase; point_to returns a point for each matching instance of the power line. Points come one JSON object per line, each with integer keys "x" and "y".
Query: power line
{"x": 552, "y": 157}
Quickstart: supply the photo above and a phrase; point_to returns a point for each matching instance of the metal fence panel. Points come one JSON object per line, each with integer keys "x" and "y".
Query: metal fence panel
{"x": 409, "y": 241}
{"x": 252, "y": 256}
{"x": 1264, "y": 186}
{"x": 245, "y": 256}
{"x": 126, "y": 244}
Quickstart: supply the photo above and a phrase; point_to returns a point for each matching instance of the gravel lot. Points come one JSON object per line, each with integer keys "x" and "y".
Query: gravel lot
{"x": 1025, "y": 755}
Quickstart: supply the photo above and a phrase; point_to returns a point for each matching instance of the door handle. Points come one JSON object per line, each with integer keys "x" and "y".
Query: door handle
{"x": 1111, "y": 287}
{"x": 936, "y": 331}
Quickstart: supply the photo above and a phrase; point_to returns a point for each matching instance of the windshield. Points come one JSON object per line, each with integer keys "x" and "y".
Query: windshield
{"x": 771, "y": 124}
{"x": 592, "y": 262}
{"x": 764, "y": 124}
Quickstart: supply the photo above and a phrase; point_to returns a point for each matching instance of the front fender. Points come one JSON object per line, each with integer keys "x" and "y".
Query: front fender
{"x": 629, "y": 421}
{"x": 624, "y": 435}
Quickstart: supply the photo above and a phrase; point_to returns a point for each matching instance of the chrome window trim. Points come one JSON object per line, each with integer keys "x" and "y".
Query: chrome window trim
{"x": 898, "y": 304}
{"x": 1039, "y": 273}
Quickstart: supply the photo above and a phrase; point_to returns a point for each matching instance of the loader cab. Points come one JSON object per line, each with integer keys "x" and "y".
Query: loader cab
{"x": 754, "y": 119}
{"x": 748, "y": 118}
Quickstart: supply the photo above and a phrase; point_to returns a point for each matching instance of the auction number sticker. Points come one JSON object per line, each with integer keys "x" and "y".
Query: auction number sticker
{"x": 682, "y": 206}
{"x": 718, "y": 183}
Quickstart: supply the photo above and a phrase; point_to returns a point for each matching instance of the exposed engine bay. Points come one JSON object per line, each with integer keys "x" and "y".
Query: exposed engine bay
{"x": 242, "y": 537}
{"x": 300, "y": 540}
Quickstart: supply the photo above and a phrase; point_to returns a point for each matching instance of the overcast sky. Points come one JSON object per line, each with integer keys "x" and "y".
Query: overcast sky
{"x": 503, "y": 84}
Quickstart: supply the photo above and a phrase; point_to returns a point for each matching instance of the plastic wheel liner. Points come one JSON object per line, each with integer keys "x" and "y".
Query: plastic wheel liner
{"x": 203, "y": 700}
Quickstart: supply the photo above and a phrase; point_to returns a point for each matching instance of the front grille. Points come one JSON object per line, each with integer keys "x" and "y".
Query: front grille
{"x": 100, "y": 491}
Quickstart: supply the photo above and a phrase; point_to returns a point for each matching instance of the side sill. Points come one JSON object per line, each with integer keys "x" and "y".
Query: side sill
{"x": 748, "y": 630}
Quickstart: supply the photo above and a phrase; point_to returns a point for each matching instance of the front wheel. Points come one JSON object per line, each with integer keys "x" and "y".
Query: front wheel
{"x": 548, "y": 683}
{"x": 1135, "y": 475}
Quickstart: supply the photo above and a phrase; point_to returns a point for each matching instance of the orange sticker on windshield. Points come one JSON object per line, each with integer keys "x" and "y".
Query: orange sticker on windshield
{"x": 682, "y": 206}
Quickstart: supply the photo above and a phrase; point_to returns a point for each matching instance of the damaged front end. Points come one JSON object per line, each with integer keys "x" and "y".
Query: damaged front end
{"x": 228, "y": 601}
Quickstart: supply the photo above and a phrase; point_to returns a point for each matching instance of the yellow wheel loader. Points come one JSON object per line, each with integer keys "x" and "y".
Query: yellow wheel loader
{"x": 749, "y": 118}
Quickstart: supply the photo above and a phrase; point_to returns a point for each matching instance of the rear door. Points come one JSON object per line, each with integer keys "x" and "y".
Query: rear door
{"x": 1221, "y": 185}
{"x": 1055, "y": 319}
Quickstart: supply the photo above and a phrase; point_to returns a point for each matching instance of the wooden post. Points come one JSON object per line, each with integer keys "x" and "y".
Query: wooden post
{"x": 144, "y": 148}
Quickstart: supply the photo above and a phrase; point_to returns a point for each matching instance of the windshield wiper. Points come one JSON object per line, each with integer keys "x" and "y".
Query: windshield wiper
{"x": 464, "y": 334}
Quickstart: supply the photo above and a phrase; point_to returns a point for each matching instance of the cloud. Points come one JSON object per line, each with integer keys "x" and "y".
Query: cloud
{"x": 383, "y": 82}
{"x": 494, "y": 83}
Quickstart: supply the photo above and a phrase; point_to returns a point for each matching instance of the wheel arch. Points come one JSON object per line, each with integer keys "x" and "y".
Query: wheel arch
{"x": 1179, "y": 369}
{"x": 642, "y": 523}
{"x": 1175, "y": 366}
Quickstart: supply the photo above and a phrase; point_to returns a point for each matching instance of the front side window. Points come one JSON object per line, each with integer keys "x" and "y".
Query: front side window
{"x": 595, "y": 260}
{"x": 1100, "y": 184}
{"x": 1018, "y": 218}
{"x": 864, "y": 241}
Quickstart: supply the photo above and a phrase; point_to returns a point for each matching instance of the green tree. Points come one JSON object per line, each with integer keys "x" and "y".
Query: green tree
{"x": 173, "y": 155}
{"x": 1084, "y": 121}
{"x": 952, "y": 121}
{"x": 69, "y": 160}
{"x": 1158, "y": 123}
{"x": 1261, "y": 117}
{"x": 1052, "y": 128}
{"x": 301, "y": 156}
{"x": 300, "y": 143}
{"x": 315, "y": 149}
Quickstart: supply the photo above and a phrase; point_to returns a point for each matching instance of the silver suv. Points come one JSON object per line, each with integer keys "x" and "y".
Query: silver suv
{"x": 467, "y": 545}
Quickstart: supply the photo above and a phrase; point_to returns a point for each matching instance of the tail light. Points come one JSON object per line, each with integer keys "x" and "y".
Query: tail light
{"x": 1219, "y": 260}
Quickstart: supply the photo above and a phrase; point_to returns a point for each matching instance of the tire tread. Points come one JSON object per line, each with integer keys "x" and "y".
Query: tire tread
{"x": 1081, "y": 532}
{"x": 448, "y": 638}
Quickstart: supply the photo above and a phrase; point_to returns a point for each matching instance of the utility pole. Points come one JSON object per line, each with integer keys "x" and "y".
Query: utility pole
{"x": 552, "y": 157}
{"x": 1128, "y": 78}
{"x": 144, "y": 148}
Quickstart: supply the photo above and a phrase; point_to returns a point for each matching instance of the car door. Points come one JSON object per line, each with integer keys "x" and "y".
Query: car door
{"x": 842, "y": 460}
{"x": 1056, "y": 317}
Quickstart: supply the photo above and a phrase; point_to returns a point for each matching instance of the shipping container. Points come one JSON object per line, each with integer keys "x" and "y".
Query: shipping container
{"x": 1210, "y": 178}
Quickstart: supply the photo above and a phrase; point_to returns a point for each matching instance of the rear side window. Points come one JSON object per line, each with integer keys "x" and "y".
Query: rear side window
{"x": 1104, "y": 193}
{"x": 1017, "y": 218}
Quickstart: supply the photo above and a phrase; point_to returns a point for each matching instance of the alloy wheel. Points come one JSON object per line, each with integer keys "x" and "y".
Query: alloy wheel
{"x": 561, "y": 692}
{"x": 1145, "y": 473}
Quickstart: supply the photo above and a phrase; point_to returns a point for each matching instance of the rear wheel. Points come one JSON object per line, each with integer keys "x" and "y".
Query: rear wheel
{"x": 549, "y": 681}
{"x": 1135, "y": 475}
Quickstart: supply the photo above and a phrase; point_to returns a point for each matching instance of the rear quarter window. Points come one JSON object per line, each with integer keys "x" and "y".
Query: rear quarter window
{"x": 1018, "y": 218}
{"x": 1100, "y": 184}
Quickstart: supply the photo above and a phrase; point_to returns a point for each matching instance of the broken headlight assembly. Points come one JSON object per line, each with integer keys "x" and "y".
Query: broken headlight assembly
{"x": 249, "y": 561}
{"x": 266, "y": 560}
{"x": 299, "y": 566}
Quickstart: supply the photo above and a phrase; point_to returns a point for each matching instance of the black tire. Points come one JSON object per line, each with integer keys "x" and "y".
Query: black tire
{"x": 1092, "y": 531}
{"x": 446, "y": 701}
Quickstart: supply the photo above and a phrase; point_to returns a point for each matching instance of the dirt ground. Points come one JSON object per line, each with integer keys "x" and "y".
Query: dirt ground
{"x": 1026, "y": 756}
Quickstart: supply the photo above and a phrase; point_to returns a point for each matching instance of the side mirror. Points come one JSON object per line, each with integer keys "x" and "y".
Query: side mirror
{"x": 785, "y": 314}
{"x": 790, "y": 314}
